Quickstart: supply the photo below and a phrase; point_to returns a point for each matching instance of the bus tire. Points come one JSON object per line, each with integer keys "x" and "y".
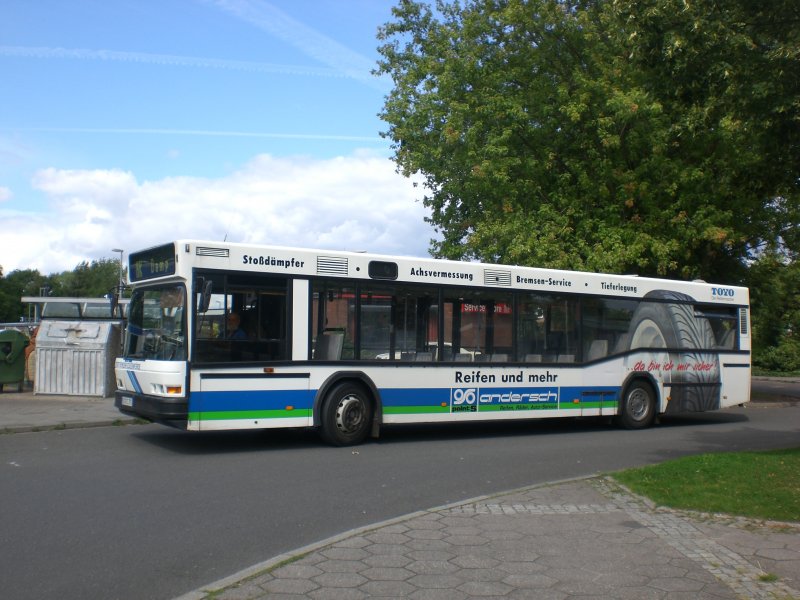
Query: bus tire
{"x": 638, "y": 406}
{"x": 346, "y": 415}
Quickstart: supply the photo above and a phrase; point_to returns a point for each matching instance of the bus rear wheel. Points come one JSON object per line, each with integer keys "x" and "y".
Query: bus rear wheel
{"x": 638, "y": 406}
{"x": 346, "y": 415}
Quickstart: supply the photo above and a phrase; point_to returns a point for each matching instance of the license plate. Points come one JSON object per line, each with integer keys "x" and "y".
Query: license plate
{"x": 127, "y": 401}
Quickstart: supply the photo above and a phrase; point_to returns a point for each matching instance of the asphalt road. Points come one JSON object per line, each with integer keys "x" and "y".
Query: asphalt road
{"x": 775, "y": 388}
{"x": 149, "y": 513}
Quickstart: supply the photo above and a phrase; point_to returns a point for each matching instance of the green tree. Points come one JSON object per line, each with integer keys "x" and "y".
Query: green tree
{"x": 775, "y": 302}
{"x": 13, "y": 286}
{"x": 89, "y": 280}
{"x": 592, "y": 135}
{"x": 728, "y": 74}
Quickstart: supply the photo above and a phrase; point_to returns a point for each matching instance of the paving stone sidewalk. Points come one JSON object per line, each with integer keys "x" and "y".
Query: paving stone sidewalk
{"x": 587, "y": 538}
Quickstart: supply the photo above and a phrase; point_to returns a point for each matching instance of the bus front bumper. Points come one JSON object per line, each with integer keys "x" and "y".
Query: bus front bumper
{"x": 168, "y": 411}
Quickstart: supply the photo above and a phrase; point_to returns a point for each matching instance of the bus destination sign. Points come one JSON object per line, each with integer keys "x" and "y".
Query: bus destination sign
{"x": 152, "y": 263}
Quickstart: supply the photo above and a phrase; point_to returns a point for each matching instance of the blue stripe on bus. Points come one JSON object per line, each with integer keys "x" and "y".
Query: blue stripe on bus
{"x": 414, "y": 396}
{"x": 593, "y": 393}
{"x": 134, "y": 382}
{"x": 391, "y": 397}
{"x": 250, "y": 400}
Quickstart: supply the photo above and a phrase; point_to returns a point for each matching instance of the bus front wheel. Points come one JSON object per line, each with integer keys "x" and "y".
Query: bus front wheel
{"x": 638, "y": 406}
{"x": 346, "y": 415}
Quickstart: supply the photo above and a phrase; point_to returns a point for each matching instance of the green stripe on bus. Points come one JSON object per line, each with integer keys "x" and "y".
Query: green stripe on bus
{"x": 515, "y": 407}
{"x": 230, "y": 415}
{"x": 603, "y": 404}
{"x": 411, "y": 410}
{"x": 582, "y": 405}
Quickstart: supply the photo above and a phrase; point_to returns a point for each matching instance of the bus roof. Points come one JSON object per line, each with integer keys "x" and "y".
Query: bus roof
{"x": 237, "y": 257}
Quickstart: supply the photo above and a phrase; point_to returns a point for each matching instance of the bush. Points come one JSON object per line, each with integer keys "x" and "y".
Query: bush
{"x": 783, "y": 357}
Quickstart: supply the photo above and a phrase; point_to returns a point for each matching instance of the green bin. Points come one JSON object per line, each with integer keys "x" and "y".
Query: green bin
{"x": 12, "y": 357}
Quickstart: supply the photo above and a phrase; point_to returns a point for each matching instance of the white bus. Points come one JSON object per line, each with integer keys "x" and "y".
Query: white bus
{"x": 235, "y": 336}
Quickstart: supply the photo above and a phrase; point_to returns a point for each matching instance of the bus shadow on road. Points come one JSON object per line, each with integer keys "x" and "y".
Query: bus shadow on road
{"x": 541, "y": 427}
{"x": 702, "y": 418}
{"x": 398, "y": 434}
{"x": 231, "y": 442}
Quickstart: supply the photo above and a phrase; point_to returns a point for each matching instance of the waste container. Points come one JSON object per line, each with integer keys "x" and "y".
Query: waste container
{"x": 76, "y": 358}
{"x": 12, "y": 357}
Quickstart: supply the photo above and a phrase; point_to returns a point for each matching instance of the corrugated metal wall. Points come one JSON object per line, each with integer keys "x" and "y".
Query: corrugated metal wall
{"x": 76, "y": 359}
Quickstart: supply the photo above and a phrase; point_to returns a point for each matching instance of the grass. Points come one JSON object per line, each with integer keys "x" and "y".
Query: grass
{"x": 762, "y": 485}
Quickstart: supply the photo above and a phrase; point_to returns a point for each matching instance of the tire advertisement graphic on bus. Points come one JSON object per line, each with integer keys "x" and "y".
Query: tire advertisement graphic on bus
{"x": 691, "y": 377}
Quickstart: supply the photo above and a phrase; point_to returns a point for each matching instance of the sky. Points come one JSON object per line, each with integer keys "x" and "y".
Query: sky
{"x": 129, "y": 123}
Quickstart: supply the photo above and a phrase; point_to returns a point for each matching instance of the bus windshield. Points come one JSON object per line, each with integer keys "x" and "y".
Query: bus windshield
{"x": 157, "y": 324}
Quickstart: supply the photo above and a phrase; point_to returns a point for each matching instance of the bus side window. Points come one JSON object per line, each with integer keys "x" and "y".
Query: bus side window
{"x": 605, "y": 326}
{"x": 333, "y": 309}
{"x": 374, "y": 321}
{"x": 329, "y": 345}
{"x": 478, "y": 323}
{"x": 547, "y": 328}
{"x": 724, "y": 324}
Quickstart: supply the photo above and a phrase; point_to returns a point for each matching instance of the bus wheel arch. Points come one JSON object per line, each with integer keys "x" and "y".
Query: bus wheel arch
{"x": 347, "y": 409}
{"x": 639, "y": 404}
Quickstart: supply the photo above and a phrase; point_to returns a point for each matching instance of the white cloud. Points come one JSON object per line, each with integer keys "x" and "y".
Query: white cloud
{"x": 353, "y": 203}
{"x": 74, "y": 189}
{"x": 5, "y": 194}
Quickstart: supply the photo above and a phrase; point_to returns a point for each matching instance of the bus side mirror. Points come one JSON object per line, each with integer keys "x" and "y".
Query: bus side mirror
{"x": 205, "y": 299}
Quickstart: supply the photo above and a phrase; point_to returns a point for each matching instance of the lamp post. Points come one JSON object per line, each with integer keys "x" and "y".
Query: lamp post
{"x": 120, "y": 283}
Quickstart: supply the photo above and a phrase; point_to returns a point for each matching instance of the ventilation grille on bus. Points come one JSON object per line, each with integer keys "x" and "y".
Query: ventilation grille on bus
{"x": 331, "y": 265}
{"x": 743, "y": 321}
{"x": 218, "y": 252}
{"x": 497, "y": 277}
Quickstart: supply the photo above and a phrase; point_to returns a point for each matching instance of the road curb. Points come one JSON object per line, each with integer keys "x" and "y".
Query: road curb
{"x": 65, "y": 426}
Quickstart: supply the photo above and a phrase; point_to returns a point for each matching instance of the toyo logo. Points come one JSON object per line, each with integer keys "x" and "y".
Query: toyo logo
{"x": 717, "y": 292}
